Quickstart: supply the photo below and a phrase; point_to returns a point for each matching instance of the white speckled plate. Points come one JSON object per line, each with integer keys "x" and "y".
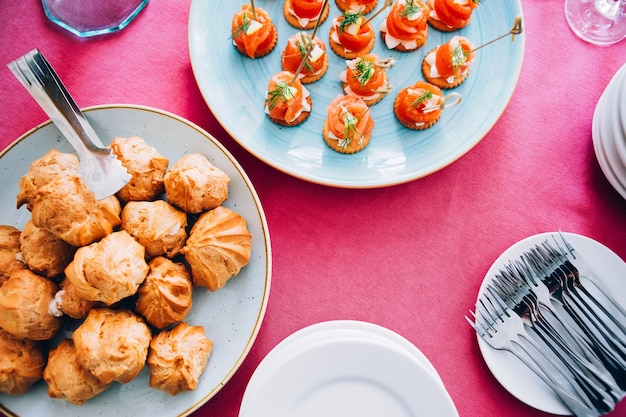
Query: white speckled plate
{"x": 231, "y": 316}
{"x": 234, "y": 87}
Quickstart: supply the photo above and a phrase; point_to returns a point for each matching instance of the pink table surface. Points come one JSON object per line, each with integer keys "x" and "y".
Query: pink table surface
{"x": 409, "y": 257}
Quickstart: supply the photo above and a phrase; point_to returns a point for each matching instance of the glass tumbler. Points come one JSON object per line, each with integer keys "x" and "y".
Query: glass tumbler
{"x": 86, "y": 18}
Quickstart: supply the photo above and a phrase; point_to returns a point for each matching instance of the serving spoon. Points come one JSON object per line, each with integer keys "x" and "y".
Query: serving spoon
{"x": 100, "y": 169}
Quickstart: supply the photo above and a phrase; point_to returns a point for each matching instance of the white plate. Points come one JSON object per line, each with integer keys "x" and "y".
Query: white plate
{"x": 231, "y": 316}
{"x": 620, "y": 110}
{"x": 611, "y": 130}
{"x": 599, "y": 128}
{"x": 345, "y": 368}
{"x": 234, "y": 87}
{"x": 514, "y": 376}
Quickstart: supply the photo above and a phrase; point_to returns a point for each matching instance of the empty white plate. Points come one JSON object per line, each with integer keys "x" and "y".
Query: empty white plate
{"x": 345, "y": 368}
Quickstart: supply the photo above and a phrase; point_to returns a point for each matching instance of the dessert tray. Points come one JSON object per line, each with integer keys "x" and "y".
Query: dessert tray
{"x": 608, "y": 268}
{"x": 234, "y": 88}
{"x": 231, "y": 316}
{"x": 351, "y": 368}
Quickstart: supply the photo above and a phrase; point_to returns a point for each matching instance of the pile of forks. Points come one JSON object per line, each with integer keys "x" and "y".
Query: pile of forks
{"x": 571, "y": 334}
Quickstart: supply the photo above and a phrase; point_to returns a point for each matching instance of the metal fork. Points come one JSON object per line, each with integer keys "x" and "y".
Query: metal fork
{"x": 609, "y": 346}
{"x": 512, "y": 338}
{"x": 100, "y": 169}
{"x": 578, "y": 358}
{"x": 588, "y": 380}
{"x": 583, "y": 270}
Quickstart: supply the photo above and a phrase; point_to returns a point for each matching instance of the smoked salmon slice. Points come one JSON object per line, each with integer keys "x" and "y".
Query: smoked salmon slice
{"x": 253, "y": 36}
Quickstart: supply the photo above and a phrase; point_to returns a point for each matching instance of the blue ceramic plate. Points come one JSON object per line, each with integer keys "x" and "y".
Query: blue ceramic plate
{"x": 231, "y": 316}
{"x": 234, "y": 87}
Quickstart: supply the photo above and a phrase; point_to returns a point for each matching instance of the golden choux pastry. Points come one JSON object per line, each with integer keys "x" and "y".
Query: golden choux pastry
{"x": 54, "y": 164}
{"x": 109, "y": 270}
{"x": 218, "y": 246}
{"x": 194, "y": 184}
{"x": 21, "y": 364}
{"x": 9, "y": 251}
{"x": 67, "y": 302}
{"x": 178, "y": 357}
{"x": 112, "y": 344}
{"x": 67, "y": 379}
{"x": 43, "y": 252}
{"x": 25, "y": 300}
{"x": 146, "y": 166}
{"x": 157, "y": 225}
{"x": 165, "y": 296}
{"x": 67, "y": 208}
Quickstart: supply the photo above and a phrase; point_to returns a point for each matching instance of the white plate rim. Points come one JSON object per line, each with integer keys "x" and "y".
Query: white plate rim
{"x": 509, "y": 371}
{"x": 341, "y": 176}
{"x": 185, "y": 405}
{"x": 620, "y": 114}
{"x": 597, "y": 134}
{"x": 332, "y": 335}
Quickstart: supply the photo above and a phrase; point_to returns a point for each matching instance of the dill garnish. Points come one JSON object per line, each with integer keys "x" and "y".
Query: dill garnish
{"x": 426, "y": 95}
{"x": 349, "y": 123}
{"x": 282, "y": 92}
{"x": 242, "y": 28}
{"x": 410, "y": 9}
{"x": 350, "y": 17}
{"x": 459, "y": 56}
{"x": 363, "y": 71}
{"x": 303, "y": 54}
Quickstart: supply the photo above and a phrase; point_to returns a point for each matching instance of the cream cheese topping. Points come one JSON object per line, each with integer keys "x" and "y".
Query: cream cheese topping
{"x": 302, "y": 21}
{"x": 391, "y": 42}
{"x": 253, "y": 27}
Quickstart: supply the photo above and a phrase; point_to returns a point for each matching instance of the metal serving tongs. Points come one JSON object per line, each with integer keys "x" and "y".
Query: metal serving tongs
{"x": 100, "y": 169}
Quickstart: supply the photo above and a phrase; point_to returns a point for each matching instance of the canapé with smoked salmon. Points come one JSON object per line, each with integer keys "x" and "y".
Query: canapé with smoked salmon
{"x": 450, "y": 15}
{"x": 448, "y": 65}
{"x": 348, "y": 125}
{"x": 351, "y": 35}
{"x": 253, "y": 32}
{"x": 406, "y": 26}
{"x": 304, "y": 14}
{"x": 363, "y": 6}
{"x": 287, "y": 102}
{"x": 366, "y": 77}
{"x": 295, "y": 51}
{"x": 419, "y": 106}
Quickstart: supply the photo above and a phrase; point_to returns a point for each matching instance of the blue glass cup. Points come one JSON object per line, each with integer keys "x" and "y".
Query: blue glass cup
{"x": 87, "y": 18}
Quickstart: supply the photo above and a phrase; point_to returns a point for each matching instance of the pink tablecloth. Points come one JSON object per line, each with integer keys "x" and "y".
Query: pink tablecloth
{"x": 409, "y": 257}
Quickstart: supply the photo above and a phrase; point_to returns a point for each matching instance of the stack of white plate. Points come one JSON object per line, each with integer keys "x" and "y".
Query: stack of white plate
{"x": 609, "y": 131}
{"x": 346, "y": 368}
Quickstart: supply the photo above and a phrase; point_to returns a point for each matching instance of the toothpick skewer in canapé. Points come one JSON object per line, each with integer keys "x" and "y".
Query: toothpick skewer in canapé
{"x": 309, "y": 47}
{"x": 252, "y": 31}
{"x": 253, "y": 9}
{"x": 352, "y": 35}
{"x": 386, "y": 5}
{"x": 288, "y": 102}
{"x": 366, "y": 77}
{"x": 448, "y": 65}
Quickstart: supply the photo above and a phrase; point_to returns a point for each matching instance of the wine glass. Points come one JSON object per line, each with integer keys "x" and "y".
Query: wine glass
{"x": 92, "y": 17}
{"x": 600, "y": 22}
